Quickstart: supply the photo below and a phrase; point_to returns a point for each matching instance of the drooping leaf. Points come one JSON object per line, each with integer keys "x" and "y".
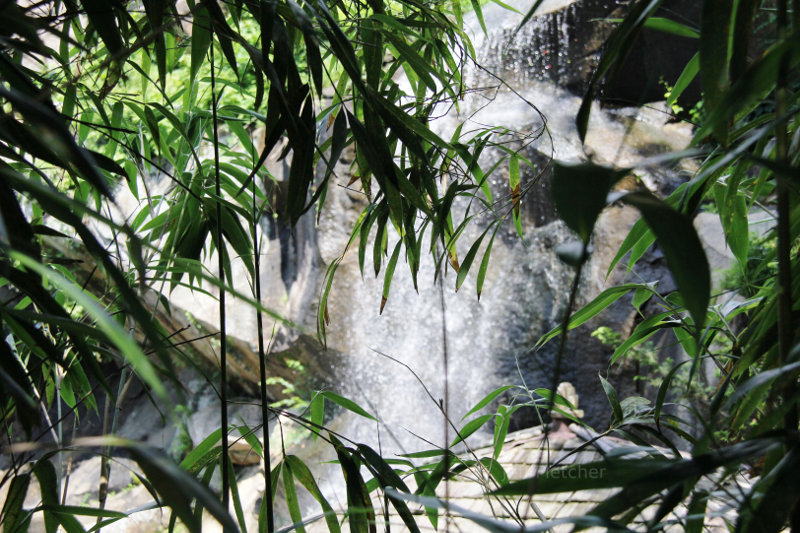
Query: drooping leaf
{"x": 316, "y": 411}
{"x": 389, "y": 274}
{"x": 485, "y": 264}
{"x": 201, "y": 39}
{"x": 14, "y": 516}
{"x": 165, "y": 475}
{"x": 685, "y": 255}
{"x": 48, "y": 483}
{"x": 102, "y": 16}
{"x": 468, "y": 259}
{"x": 301, "y": 472}
{"x": 387, "y": 477}
{"x": 715, "y": 26}
{"x": 580, "y": 192}
{"x": 361, "y": 513}
{"x": 613, "y": 400}
{"x": 292, "y": 502}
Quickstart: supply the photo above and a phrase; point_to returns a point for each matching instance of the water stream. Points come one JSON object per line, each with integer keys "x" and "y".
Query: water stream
{"x": 487, "y": 341}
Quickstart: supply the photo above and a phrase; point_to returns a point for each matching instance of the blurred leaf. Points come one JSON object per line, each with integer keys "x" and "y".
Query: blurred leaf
{"x": 695, "y": 512}
{"x": 495, "y": 525}
{"x": 681, "y": 245}
{"x": 714, "y": 40}
{"x": 689, "y": 73}
{"x": 773, "y": 497}
{"x": 760, "y": 379}
{"x": 639, "y": 477}
{"x": 164, "y": 475}
{"x": 53, "y": 131}
{"x": 755, "y": 83}
{"x": 14, "y": 516}
{"x": 106, "y": 323}
{"x": 101, "y": 15}
{"x": 48, "y": 487}
{"x": 579, "y": 194}
{"x": 16, "y": 385}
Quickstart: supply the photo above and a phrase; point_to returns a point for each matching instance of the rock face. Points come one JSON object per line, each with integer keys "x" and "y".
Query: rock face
{"x": 560, "y": 44}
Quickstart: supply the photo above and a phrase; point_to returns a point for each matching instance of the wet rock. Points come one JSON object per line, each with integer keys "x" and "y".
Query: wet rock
{"x": 564, "y": 41}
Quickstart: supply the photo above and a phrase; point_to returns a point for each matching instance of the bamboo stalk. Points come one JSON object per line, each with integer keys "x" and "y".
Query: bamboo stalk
{"x": 223, "y": 376}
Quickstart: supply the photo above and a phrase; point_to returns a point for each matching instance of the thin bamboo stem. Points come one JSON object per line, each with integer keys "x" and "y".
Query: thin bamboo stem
{"x": 785, "y": 318}
{"x": 223, "y": 356}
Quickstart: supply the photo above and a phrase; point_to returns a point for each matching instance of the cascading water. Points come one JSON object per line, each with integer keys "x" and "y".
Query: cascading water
{"x": 487, "y": 342}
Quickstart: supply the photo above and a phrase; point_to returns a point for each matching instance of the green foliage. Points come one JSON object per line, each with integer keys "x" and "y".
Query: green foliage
{"x": 97, "y": 97}
{"x": 748, "y": 165}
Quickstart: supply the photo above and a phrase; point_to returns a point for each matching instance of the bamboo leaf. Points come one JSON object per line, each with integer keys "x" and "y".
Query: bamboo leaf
{"x": 476, "y": 6}
{"x": 106, "y": 323}
{"x": 761, "y": 379}
{"x": 316, "y": 410}
{"x": 291, "y": 496}
{"x": 360, "y": 511}
{"x": 348, "y": 404}
{"x": 467, "y": 262}
{"x": 715, "y": 26}
{"x": 590, "y": 310}
{"x": 487, "y": 399}
{"x": 387, "y": 477}
{"x": 389, "y": 274}
{"x": 201, "y": 39}
{"x": 685, "y": 255}
{"x": 301, "y": 472}
{"x": 471, "y": 427}
{"x": 580, "y": 192}
{"x": 48, "y": 483}
{"x": 687, "y": 75}
{"x": 14, "y": 516}
{"x": 101, "y": 15}
{"x": 775, "y": 496}
{"x": 617, "y": 47}
{"x": 613, "y": 400}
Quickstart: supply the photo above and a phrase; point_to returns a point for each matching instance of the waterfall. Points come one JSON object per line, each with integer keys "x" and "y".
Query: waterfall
{"x": 488, "y": 341}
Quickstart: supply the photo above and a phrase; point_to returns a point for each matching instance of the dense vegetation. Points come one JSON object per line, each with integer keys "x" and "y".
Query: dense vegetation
{"x": 99, "y": 95}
